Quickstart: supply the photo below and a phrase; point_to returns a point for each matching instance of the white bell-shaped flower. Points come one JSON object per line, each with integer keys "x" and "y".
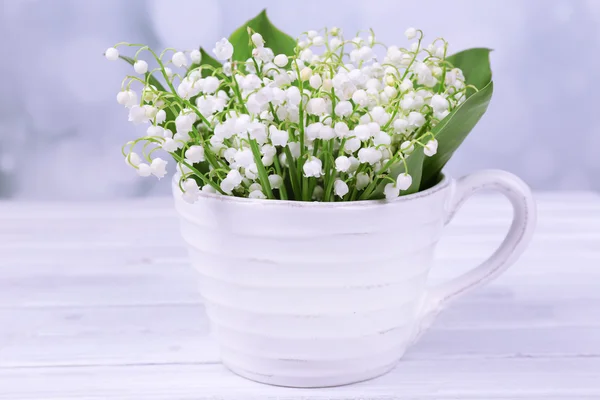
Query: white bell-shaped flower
{"x": 342, "y": 163}
{"x": 257, "y": 39}
{"x": 340, "y": 188}
{"x": 276, "y": 181}
{"x": 313, "y": 167}
{"x": 195, "y": 154}
{"x": 223, "y": 49}
{"x": 144, "y": 169}
{"x": 159, "y": 167}
{"x": 278, "y": 137}
{"x": 430, "y": 148}
{"x": 179, "y": 59}
{"x": 403, "y": 181}
{"x": 391, "y": 191}
{"x": 196, "y": 57}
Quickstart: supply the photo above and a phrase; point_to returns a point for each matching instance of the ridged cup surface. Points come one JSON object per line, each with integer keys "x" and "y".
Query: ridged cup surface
{"x": 312, "y": 294}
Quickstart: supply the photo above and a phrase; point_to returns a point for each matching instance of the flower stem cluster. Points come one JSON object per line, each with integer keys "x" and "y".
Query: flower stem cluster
{"x": 327, "y": 123}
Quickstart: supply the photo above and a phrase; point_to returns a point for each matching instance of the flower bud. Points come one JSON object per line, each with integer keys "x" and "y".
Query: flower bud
{"x": 258, "y": 40}
{"x": 306, "y": 55}
{"x": 256, "y": 194}
{"x": 280, "y": 60}
{"x": 407, "y": 147}
{"x": 305, "y": 74}
{"x": 196, "y": 57}
{"x": 369, "y": 155}
{"x": 362, "y": 180}
{"x": 111, "y": 54}
{"x": 343, "y": 108}
{"x": 133, "y": 159}
{"x": 318, "y": 41}
{"x": 161, "y": 116}
{"x": 335, "y": 43}
{"x": 316, "y": 106}
{"x": 360, "y": 97}
{"x": 416, "y": 119}
{"x": 123, "y": 97}
{"x": 439, "y": 103}
{"x": 315, "y": 81}
{"x": 140, "y": 67}
{"x": 410, "y": 33}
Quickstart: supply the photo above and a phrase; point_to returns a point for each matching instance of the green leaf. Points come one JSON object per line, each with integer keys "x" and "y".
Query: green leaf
{"x": 278, "y": 41}
{"x": 415, "y": 168}
{"x": 452, "y": 130}
{"x": 475, "y": 65}
{"x": 205, "y": 59}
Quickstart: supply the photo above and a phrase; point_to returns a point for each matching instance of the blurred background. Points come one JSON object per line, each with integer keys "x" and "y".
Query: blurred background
{"x": 61, "y": 128}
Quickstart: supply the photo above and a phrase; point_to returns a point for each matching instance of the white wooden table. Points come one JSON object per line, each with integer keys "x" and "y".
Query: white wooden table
{"x": 97, "y": 301}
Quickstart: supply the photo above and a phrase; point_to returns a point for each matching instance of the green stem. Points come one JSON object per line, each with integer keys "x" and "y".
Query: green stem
{"x": 413, "y": 59}
{"x": 262, "y": 172}
{"x": 442, "y": 88}
{"x": 238, "y": 93}
{"x": 282, "y": 189}
{"x": 365, "y": 195}
{"x": 294, "y": 178}
{"x": 329, "y": 172}
{"x": 198, "y": 173}
{"x": 304, "y": 182}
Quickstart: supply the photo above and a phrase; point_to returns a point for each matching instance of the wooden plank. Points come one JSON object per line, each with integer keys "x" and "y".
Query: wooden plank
{"x": 97, "y": 301}
{"x": 486, "y": 324}
{"x": 162, "y": 206}
{"x": 165, "y": 231}
{"x": 105, "y": 274}
{"x": 520, "y": 378}
{"x": 168, "y": 284}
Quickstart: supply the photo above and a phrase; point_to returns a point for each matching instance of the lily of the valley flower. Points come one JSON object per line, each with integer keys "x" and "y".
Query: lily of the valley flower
{"x": 329, "y": 122}
{"x": 223, "y": 49}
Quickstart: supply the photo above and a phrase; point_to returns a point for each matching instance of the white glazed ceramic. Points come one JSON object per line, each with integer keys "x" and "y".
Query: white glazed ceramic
{"x": 325, "y": 294}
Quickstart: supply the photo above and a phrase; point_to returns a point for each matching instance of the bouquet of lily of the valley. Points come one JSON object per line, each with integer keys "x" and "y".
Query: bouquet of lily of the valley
{"x": 318, "y": 118}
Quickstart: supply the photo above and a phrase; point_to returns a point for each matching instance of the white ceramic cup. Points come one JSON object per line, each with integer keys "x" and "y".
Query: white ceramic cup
{"x": 324, "y": 294}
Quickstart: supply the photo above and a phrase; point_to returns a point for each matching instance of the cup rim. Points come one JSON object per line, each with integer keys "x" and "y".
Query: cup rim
{"x": 441, "y": 185}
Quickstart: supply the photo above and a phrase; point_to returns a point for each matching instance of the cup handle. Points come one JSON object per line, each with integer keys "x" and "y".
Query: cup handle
{"x": 513, "y": 245}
